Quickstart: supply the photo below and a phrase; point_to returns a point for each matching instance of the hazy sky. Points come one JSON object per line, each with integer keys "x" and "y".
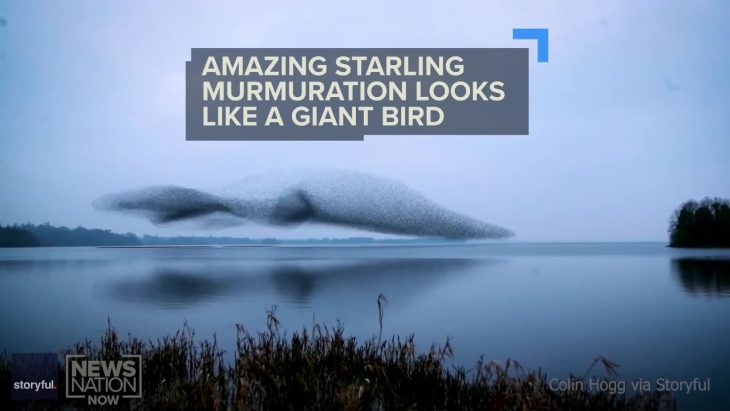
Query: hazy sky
{"x": 629, "y": 118}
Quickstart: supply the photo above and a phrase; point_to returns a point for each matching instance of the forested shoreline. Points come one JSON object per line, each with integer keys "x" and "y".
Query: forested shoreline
{"x": 701, "y": 224}
{"x": 47, "y": 235}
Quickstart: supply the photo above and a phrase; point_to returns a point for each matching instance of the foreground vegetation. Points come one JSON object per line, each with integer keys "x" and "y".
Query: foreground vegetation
{"x": 322, "y": 369}
{"x": 701, "y": 224}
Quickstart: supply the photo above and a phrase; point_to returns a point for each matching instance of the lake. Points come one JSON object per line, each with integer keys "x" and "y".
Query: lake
{"x": 657, "y": 312}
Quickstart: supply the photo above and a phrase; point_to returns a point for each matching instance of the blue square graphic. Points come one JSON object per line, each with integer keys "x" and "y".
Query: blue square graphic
{"x": 34, "y": 376}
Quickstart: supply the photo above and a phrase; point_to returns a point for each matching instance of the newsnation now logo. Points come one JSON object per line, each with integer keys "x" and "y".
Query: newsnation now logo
{"x": 103, "y": 382}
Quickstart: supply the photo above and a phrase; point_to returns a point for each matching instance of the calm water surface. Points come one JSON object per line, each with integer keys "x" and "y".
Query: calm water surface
{"x": 657, "y": 312}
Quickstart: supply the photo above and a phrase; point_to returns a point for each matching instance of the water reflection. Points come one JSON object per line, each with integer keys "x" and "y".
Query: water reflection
{"x": 293, "y": 281}
{"x": 48, "y": 266}
{"x": 703, "y": 276}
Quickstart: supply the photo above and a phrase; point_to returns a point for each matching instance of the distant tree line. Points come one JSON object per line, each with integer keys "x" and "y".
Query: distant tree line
{"x": 701, "y": 224}
{"x": 153, "y": 240}
{"x": 46, "y": 235}
{"x": 15, "y": 236}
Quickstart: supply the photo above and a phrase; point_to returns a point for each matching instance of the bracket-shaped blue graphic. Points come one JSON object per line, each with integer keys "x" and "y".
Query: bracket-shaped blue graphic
{"x": 541, "y": 35}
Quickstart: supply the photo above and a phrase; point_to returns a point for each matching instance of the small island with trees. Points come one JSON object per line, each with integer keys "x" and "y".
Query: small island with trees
{"x": 703, "y": 224}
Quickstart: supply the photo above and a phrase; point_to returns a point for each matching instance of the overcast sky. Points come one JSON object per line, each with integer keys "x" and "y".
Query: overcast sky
{"x": 629, "y": 118}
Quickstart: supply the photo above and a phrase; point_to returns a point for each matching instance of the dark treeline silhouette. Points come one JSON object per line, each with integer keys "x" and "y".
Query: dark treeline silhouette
{"x": 15, "y": 236}
{"x": 46, "y": 235}
{"x": 701, "y": 224}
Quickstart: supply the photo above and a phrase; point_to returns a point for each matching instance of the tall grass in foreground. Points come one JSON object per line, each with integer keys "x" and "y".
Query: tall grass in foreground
{"x": 323, "y": 369}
